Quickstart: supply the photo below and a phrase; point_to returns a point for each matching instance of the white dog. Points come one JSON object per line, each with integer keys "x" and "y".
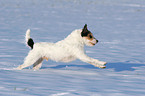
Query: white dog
{"x": 69, "y": 49}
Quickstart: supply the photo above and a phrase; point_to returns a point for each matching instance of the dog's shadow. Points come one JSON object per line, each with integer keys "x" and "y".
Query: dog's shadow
{"x": 116, "y": 66}
{"x": 123, "y": 66}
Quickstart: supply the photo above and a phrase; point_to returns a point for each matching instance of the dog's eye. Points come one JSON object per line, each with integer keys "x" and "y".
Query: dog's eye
{"x": 90, "y": 36}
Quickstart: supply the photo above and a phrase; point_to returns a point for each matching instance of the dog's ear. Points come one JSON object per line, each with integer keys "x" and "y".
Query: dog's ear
{"x": 85, "y": 27}
{"x": 85, "y": 31}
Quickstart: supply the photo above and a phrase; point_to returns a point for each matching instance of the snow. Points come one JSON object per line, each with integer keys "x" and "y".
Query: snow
{"x": 117, "y": 24}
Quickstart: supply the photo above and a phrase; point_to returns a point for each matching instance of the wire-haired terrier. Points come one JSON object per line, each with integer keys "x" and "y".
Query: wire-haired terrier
{"x": 69, "y": 49}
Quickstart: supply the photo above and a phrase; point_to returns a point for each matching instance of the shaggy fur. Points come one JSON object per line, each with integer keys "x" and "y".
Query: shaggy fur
{"x": 69, "y": 49}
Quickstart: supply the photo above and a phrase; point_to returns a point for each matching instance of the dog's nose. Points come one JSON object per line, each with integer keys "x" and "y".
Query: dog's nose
{"x": 97, "y": 41}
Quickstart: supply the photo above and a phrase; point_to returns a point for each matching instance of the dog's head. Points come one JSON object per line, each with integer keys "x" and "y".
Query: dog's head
{"x": 88, "y": 37}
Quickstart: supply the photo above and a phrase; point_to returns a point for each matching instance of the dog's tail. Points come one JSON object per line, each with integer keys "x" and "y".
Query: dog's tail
{"x": 29, "y": 41}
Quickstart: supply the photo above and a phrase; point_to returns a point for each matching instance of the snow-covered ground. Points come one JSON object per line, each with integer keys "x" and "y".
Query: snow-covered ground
{"x": 119, "y": 25}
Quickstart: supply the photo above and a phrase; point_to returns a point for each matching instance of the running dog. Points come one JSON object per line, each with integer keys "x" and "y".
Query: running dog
{"x": 69, "y": 49}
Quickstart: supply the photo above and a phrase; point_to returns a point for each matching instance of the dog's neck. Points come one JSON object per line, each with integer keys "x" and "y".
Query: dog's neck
{"x": 74, "y": 38}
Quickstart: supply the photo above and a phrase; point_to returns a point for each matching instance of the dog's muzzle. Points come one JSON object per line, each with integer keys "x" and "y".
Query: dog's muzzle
{"x": 94, "y": 41}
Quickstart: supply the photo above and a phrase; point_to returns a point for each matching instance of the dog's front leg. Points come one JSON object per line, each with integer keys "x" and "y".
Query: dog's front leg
{"x": 95, "y": 62}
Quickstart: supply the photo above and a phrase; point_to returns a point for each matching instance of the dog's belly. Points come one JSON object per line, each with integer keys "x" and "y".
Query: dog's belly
{"x": 68, "y": 59}
{"x": 61, "y": 57}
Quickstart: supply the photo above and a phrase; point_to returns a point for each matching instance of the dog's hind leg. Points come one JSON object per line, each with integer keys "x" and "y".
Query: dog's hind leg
{"x": 37, "y": 65}
{"x": 29, "y": 60}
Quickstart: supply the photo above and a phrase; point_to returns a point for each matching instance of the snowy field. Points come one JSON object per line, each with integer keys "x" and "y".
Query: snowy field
{"x": 119, "y": 25}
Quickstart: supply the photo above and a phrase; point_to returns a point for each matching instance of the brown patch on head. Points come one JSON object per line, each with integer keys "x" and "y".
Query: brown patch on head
{"x": 89, "y": 36}
{"x": 85, "y": 31}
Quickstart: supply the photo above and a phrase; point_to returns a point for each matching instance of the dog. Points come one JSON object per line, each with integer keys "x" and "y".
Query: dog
{"x": 69, "y": 49}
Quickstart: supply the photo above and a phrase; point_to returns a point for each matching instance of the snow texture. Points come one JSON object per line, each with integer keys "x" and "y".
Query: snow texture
{"x": 119, "y": 25}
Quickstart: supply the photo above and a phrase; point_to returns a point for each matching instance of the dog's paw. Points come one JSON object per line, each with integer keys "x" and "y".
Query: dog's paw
{"x": 102, "y": 63}
{"x": 99, "y": 66}
{"x": 102, "y": 67}
{"x": 18, "y": 68}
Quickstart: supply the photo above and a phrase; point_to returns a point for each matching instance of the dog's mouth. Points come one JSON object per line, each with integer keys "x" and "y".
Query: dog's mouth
{"x": 93, "y": 43}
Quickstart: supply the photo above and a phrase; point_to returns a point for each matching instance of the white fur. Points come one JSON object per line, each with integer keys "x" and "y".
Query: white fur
{"x": 69, "y": 49}
{"x": 27, "y": 37}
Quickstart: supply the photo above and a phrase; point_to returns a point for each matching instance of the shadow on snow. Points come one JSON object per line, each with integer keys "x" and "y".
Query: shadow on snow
{"x": 120, "y": 66}
{"x": 123, "y": 66}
